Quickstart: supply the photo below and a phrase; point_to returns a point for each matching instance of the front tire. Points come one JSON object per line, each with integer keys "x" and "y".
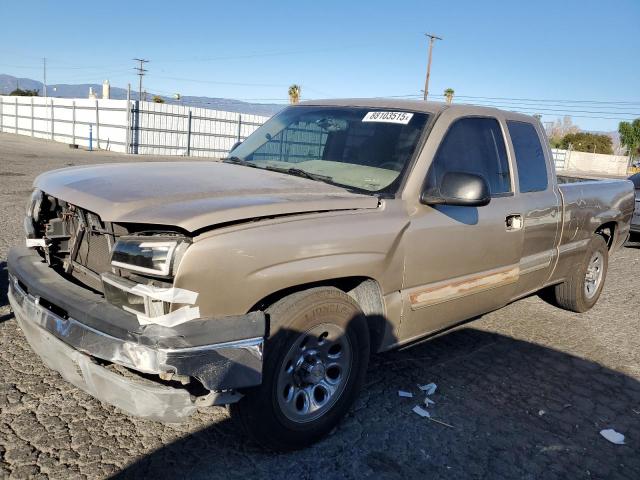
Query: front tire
{"x": 315, "y": 361}
{"x": 582, "y": 289}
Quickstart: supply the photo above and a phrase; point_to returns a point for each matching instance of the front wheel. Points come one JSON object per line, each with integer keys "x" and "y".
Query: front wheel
{"x": 315, "y": 360}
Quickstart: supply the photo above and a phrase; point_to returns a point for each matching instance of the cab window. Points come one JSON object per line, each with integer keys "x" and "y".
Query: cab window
{"x": 532, "y": 166}
{"x": 474, "y": 145}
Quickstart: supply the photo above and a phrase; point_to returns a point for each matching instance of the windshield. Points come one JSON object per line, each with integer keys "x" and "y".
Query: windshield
{"x": 362, "y": 148}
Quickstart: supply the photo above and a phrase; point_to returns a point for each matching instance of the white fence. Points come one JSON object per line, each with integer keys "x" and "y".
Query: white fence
{"x": 127, "y": 126}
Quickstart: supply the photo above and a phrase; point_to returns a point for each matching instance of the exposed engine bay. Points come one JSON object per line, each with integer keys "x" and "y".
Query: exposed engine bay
{"x": 79, "y": 244}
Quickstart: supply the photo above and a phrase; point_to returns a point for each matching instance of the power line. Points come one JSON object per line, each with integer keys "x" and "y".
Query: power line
{"x": 536, "y": 100}
{"x": 213, "y": 82}
{"x": 141, "y": 72}
{"x": 556, "y": 100}
{"x": 263, "y": 54}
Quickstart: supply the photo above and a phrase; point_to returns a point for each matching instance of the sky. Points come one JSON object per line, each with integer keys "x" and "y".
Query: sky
{"x": 556, "y": 58}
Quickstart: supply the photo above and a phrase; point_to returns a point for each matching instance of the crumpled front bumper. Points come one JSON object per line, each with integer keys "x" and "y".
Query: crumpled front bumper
{"x": 62, "y": 323}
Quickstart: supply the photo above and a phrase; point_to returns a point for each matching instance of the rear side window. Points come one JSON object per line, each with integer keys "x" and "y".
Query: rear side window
{"x": 532, "y": 166}
{"x": 474, "y": 145}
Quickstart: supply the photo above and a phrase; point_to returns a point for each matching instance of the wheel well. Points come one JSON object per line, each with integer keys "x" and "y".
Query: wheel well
{"x": 364, "y": 290}
{"x": 607, "y": 230}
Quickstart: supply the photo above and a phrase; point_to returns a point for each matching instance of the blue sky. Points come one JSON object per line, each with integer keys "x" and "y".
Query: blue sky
{"x": 541, "y": 50}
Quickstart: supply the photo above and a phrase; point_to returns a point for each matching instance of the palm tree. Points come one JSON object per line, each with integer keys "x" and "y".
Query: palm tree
{"x": 294, "y": 93}
{"x": 448, "y": 94}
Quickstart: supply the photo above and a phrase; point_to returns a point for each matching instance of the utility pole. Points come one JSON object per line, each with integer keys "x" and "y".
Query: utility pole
{"x": 432, "y": 39}
{"x": 141, "y": 71}
{"x": 44, "y": 72}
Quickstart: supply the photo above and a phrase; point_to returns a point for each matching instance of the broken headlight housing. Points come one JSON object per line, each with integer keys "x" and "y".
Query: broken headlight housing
{"x": 32, "y": 212}
{"x": 152, "y": 255}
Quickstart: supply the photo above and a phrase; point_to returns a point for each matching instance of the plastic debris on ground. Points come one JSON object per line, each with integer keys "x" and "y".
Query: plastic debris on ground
{"x": 613, "y": 436}
{"x": 428, "y": 389}
{"x": 421, "y": 411}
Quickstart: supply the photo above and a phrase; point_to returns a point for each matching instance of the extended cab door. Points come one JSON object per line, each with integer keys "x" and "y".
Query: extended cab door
{"x": 461, "y": 261}
{"x": 539, "y": 197}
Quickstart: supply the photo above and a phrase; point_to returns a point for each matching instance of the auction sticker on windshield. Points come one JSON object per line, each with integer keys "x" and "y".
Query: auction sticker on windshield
{"x": 388, "y": 117}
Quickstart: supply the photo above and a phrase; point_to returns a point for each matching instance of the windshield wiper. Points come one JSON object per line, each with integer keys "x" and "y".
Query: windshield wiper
{"x": 239, "y": 161}
{"x": 298, "y": 172}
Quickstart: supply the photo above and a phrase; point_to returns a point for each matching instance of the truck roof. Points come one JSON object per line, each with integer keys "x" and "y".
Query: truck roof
{"x": 415, "y": 106}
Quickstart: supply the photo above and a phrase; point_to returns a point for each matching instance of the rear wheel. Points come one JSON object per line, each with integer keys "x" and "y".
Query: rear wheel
{"x": 315, "y": 360}
{"x": 582, "y": 289}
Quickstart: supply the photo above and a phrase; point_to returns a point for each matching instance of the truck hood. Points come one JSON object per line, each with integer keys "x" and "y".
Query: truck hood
{"x": 193, "y": 195}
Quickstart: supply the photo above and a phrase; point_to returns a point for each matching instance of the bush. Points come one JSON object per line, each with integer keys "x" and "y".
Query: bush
{"x": 18, "y": 92}
{"x": 588, "y": 142}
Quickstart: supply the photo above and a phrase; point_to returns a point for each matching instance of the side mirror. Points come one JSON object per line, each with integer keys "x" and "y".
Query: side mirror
{"x": 235, "y": 145}
{"x": 458, "y": 188}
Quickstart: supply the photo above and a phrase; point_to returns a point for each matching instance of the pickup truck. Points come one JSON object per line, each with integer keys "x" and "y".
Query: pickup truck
{"x": 338, "y": 229}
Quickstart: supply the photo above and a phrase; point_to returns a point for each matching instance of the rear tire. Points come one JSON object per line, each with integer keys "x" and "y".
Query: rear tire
{"x": 581, "y": 290}
{"x": 315, "y": 361}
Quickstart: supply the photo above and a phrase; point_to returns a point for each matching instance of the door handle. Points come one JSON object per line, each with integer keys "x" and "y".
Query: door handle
{"x": 514, "y": 222}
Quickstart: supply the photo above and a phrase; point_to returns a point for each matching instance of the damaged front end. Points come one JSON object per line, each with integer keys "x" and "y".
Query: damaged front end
{"x": 96, "y": 301}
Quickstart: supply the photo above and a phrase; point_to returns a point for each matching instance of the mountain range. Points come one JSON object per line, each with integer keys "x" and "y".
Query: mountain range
{"x": 8, "y": 83}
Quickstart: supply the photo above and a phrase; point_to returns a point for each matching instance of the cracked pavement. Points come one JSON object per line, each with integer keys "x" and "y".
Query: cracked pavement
{"x": 526, "y": 389}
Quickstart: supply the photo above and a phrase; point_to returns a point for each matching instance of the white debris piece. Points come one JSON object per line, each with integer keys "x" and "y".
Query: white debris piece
{"x": 613, "y": 436}
{"x": 421, "y": 411}
{"x": 428, "y": 401}
{"x": 36, "y": 242}
{"x": 171, "y": 295}
{"x": 402, "y": 393}
{"x": 428, "y": 389}
{"x": 541, "y": 413}
{"x": 171, "y": 319}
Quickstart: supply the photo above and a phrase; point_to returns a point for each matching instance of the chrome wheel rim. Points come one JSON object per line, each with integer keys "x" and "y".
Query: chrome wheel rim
{"x": 593, "y": 277}
{"x": 314, "y": 373}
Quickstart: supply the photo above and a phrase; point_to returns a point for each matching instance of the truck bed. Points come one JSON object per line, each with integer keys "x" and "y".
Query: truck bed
{"x": 587, "y": 205}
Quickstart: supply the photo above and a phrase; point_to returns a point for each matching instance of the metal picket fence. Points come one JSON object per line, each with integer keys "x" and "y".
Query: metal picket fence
{"x": 125, "y": 126}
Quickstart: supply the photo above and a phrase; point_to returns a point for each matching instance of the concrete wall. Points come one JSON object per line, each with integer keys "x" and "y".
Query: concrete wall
{"x": 592, "y": 163}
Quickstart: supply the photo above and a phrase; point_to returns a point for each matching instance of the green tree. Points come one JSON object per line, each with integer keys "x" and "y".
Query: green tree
{"x": 588, "y": 142}
{"x": 157, "y": 99}
{"x": 630, "y": 136}
{"x": 448, "y": 94}
{"x": 294, "y": 93}
{"x": 18, "y": 92}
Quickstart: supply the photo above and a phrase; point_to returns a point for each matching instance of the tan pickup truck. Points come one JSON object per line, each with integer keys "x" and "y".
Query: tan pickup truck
{"x": 265, "y": 281}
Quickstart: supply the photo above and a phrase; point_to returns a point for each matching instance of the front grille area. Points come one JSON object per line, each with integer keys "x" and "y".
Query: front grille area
{"x": 79, "y": 242}
{"x": 95, "y": 252}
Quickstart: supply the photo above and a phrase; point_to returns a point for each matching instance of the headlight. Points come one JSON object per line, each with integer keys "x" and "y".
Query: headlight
{"x": 152, "y": 255}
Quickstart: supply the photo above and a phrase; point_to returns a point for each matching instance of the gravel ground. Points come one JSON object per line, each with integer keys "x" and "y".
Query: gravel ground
{"x": 525, "y": 389}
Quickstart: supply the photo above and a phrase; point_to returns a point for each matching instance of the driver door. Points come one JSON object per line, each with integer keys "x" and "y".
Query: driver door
{"x": 462, "y": 261}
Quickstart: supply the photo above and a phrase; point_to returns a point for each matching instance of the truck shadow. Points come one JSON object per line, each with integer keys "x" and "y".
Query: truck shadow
{"x": 512, "y": 409}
